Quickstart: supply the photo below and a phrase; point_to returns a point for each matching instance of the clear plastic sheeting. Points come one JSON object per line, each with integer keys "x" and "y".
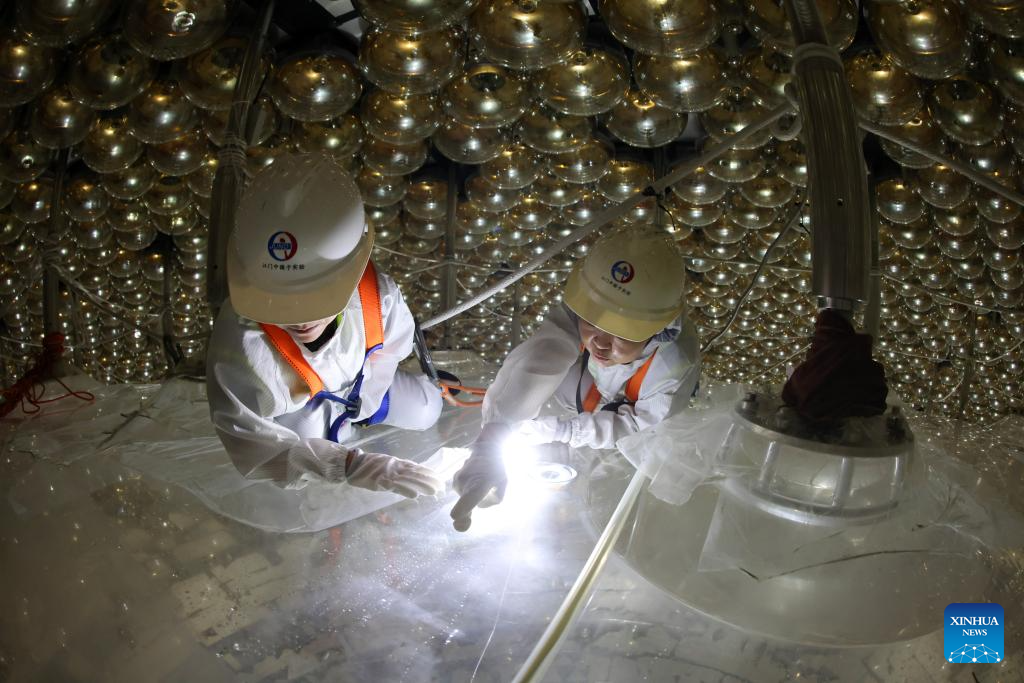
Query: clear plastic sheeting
{"x": 173, "y": 441}
{"x": 200, "y": 465}
{"x": 123, "y": 560}
{"x": 632, "y": 630}
{"x": 687, "y": 449}
{"x": 113, "y": 572}
{"x": 993, "y": 454}
{"x": 48, "y": 433}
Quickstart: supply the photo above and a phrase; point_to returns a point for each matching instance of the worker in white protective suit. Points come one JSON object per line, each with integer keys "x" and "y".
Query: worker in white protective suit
{"x": 307, "y": 347}
{"x": 619, "y": 355}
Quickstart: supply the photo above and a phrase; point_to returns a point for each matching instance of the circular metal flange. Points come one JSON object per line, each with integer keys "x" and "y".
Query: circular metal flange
{"x": 768, "y": 416}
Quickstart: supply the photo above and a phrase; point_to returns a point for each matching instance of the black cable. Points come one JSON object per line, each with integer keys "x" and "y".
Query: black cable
{"x": 743, "y": 297}
{"x": 671, "y": 217}
{"x": 346, "y": 17}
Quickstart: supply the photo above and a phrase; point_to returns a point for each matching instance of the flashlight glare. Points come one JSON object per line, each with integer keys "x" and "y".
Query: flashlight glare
{"x": 519, "y": 456}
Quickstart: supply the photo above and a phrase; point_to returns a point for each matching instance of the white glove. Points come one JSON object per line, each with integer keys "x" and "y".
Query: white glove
{"x": 482, "y": 480}
{"x": 380, "y": 472}
{"x": 545, "y": 430}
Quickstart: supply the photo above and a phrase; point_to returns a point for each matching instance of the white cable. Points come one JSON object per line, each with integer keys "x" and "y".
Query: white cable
{"x": 101, "y": 302}
{"x": 958, "y": 166}
{"x": 409, "y": 256}
{"x": 24, "y": 342}
{"x": 949, "y": 299}
{"x": 439, "y": 263}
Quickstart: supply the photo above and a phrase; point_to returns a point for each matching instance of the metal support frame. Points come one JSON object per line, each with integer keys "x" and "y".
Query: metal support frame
{"x": 872, "y": 312}
{"x": 660, "y": 165}
{"x": 172, "y": 350}
{"x": 969, "y": 372}
{"x": 517, "y": 322}
{"x": 806, "y": 22}
{"x": 51, "y": 300}
{"x": 51, "y": 281}
{"x": 449, "y": 248}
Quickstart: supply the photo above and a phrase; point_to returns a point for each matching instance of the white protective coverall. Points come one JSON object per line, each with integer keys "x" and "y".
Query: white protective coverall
{"x": 258, "y": 402}
{"x": 547, "y": 365}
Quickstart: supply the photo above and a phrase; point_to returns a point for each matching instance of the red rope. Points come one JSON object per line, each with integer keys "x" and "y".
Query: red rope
{"x": 30, "y": 388}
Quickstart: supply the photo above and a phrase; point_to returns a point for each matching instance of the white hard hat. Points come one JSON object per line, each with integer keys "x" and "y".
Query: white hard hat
{"x": 300, "y": 244}
{"x": 632, "y": 284}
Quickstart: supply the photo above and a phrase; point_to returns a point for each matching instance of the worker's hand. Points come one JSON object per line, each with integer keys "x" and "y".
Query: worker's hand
{"x": 481, "y": 481}
{"x": 544, "y": 430}
{"x": 380, "y": 472}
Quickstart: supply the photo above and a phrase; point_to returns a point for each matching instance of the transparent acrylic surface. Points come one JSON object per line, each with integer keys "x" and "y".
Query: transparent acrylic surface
{"x": 713, "y": 588}
{"x": 119, "y": 563}
{"x": 632, "y": 630}
{"x": 637, "y": 627}
{"x": 130, "y": 553}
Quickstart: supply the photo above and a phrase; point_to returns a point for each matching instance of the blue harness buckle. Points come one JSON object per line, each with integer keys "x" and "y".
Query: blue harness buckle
{"x": 353, "y": 404}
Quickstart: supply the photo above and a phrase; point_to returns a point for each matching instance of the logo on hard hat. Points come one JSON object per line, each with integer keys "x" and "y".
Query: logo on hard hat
{"x": 282, "y": 245}
{"x": 623, "y": 272}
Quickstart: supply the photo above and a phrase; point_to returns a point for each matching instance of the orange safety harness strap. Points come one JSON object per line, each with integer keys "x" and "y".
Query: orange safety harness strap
{"x": 448, "y": 383}
{"x": 373, "y": 326}
{"x": 632, "y": 392}
{"x": 369, "y": 298}
{"x": 289, "y": 350}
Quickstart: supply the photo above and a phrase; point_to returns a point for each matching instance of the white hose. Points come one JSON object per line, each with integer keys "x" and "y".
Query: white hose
{"x": 537, "y": 663}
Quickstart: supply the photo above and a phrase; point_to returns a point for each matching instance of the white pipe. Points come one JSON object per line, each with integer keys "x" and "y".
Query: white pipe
{"x": 963, "y": 169}
{"x": 540, "y": 658}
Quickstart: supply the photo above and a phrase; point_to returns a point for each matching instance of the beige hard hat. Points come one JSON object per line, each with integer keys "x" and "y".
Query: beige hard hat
{"x": 300, "y": 244}
{"x": 631, "y": 285}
